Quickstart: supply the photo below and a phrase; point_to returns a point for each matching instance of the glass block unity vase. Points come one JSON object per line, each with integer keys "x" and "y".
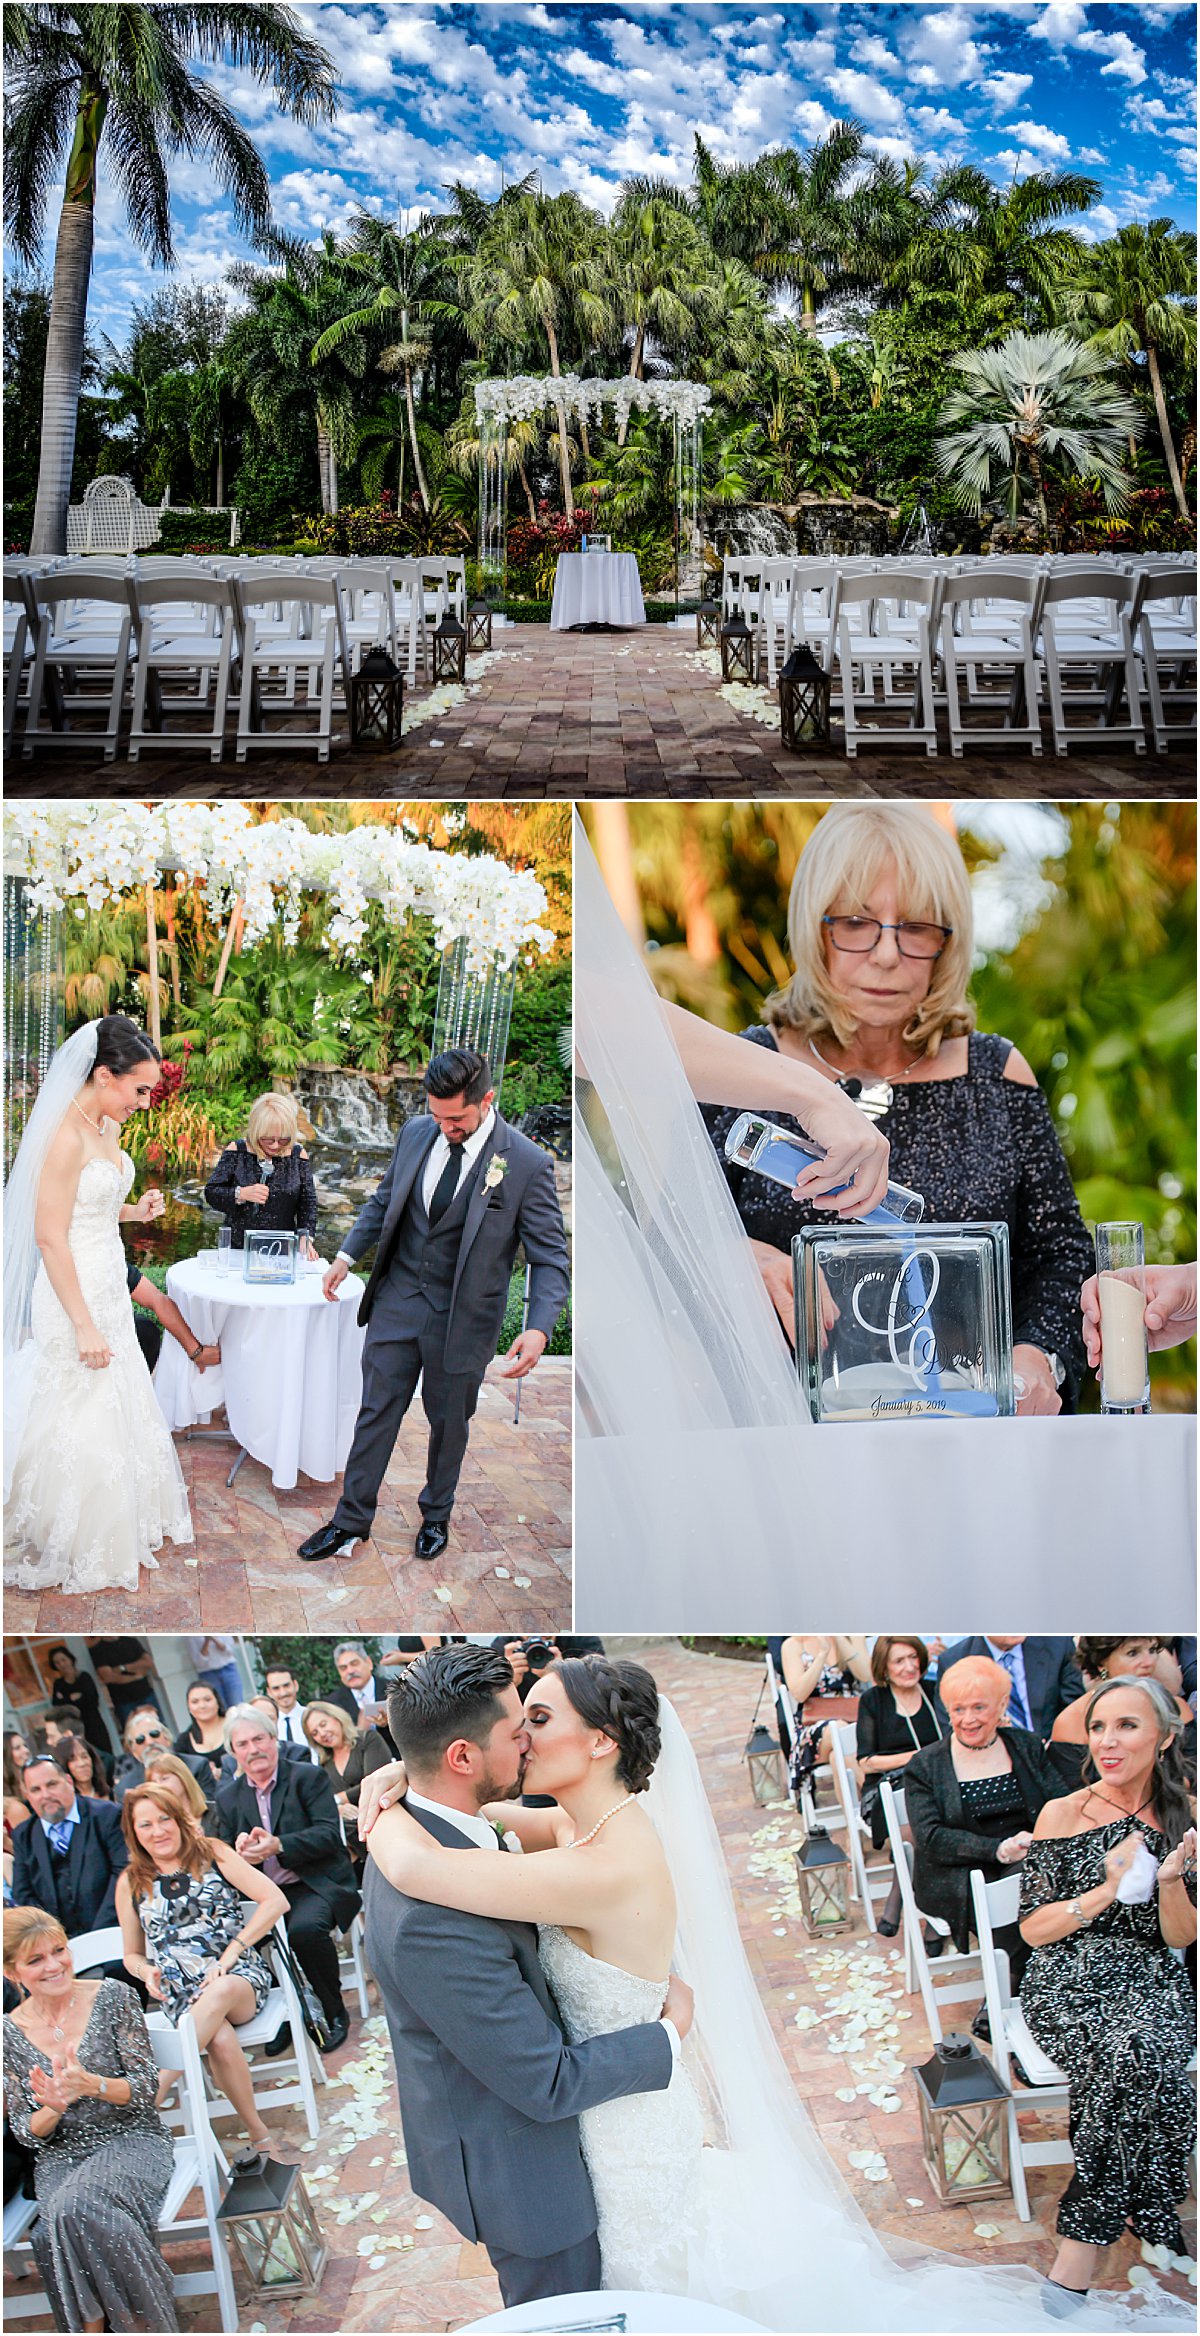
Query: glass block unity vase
{"x": 904, "y": 1323}
{"x": 270, "y": 1257}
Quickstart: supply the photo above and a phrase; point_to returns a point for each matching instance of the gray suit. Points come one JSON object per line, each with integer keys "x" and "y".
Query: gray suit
{"x": 489, "y": 2089}
{"x": 435, "y": 1302}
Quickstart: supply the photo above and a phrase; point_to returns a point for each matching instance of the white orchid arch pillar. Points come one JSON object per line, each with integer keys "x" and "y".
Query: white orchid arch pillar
{"x": 526, "y": 394}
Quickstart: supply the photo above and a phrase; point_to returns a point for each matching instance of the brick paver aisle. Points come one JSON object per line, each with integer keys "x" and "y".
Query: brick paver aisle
{"x": 565, "y": 714}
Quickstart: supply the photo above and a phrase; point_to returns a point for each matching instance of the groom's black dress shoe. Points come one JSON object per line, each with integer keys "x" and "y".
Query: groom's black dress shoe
{"x": 432, "y": 1539}
{"x": 328, "y": 1541}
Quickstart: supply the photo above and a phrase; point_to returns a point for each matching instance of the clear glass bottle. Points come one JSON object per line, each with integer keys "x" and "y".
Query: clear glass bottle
{"x": 753, "y": 1142}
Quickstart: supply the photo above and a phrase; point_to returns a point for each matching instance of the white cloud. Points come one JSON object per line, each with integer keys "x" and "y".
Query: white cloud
{"x": 939, "y": 49}
{"x": 868, "y": 49}
{"x": 1092, "y": 154}
{"x": 936, "y": 122}
{"x": 867, "y": 98}
{"x": 1004, "y": 90}
{"x": 1042, "y": 140}
{"x": 595, "y": 72}
{"x": 1063, "y": 24}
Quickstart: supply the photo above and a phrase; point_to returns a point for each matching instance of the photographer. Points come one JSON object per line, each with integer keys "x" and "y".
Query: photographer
{"x": 531, "y": 1656}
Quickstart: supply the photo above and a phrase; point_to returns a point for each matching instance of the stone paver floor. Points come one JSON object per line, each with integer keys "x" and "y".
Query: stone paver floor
{"x": 508, "y": 1562}
{"x": 601, "y": 713}
{"x": 395, "y": 2264}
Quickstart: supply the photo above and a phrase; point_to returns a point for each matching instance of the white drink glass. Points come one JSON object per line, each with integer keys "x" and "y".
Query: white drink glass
{"x": 1121, "y": 1282}
{"x": 225, "y": 1249}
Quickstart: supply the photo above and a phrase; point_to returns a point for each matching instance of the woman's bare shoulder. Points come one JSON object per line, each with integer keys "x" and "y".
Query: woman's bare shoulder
{"x": 1060, "y": 1817}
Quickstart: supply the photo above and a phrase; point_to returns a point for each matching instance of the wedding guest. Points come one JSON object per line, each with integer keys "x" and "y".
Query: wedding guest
{"x": 283, "y": 1687}
{"x": 881, "y": 933}
{"x": 1170, "y": 1315}
{"x": 145, "y": 1731}
{"x": 214, "y": 1660}
{"x": 76, "y": 1689}
{"x": 281, "y": 1816}
{"x": 67, "y": 1861}
{"x": 204, "y": 1736}
{"x": 1108, "y": 1891}
{"x": 362, "y": 1690}
{"x": 825, "y": 1677}
{"x": 193, "y": 1948}
{"x": 347, "y": 1753}
{"x": 268, "y": 1709}
{"x": 1114, "y": 1658}
{"x": 897, "y": 1718}
{"x": 1044, "y": 1676}
{"x": 167, "y": 1316}
{"x": 124, "y": 1665}
{"x": 85, "y": 1767}
{"x": 80, "y": 2081}
{"x": 263, "y": 1182}
{"x": 175, "y": 1777}
{"x": 16, "y": 1758}
{"x": 973, "y": 1800}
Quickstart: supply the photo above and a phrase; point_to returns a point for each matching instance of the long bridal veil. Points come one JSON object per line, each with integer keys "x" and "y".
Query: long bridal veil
{"x": 779, "y": 2238}
{"x": 68, "y": 1073}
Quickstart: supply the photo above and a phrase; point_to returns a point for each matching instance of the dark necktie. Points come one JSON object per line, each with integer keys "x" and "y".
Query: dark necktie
{"x": 446, "y": 1186}
{"x": 1016, "y": 1701}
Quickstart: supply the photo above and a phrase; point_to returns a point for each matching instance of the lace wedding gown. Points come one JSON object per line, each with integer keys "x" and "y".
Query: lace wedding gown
{"x": 643, "y": 2151}
{"x": 96, "y": 1487}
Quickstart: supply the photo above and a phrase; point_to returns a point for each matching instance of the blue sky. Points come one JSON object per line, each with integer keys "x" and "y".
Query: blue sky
{"x": 581, "y": 94}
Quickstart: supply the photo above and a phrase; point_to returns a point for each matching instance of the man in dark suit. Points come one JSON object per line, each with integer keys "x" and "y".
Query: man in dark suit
{"x": 1044, "y": 1674}
{"x": 490, "y": 2090}
{"x": 281, "y": 1816}
{"x": 360, "y": 1690}
{"x": 463, "y": 1191}
{"x": 67, "y": 1856}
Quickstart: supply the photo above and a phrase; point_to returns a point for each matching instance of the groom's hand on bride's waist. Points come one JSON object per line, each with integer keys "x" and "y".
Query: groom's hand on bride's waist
{"x": 525, "y": 1351}
{"x": 680, "y": 2005}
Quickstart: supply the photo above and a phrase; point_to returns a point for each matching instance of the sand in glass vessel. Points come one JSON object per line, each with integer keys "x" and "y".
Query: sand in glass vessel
{"x": 1121, "y": 1282}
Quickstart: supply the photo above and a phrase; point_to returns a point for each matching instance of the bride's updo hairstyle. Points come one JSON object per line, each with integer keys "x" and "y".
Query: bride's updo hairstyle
{"x": 121, "y": 1046}
{"x": 622, "y": 1701}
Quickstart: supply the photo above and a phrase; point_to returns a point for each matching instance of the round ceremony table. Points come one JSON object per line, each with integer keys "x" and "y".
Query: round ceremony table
{"x": 290, "y": 1374}
{"x": 641, "y": 2315}
{"x": 596, "y": 588}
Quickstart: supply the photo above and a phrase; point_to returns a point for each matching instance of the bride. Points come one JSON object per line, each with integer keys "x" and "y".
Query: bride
{"x": 92, "y": 1486}
{"x": 717, "y": 2188}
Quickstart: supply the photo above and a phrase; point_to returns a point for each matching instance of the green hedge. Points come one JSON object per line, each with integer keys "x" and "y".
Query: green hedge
{"x": 537, "y": 612}
{"x": 311, "y": 1659}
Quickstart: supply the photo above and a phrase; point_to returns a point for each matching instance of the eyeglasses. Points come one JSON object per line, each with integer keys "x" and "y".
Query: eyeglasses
{"x": 859, "y": 935}
{"x": 152, "y": 1736}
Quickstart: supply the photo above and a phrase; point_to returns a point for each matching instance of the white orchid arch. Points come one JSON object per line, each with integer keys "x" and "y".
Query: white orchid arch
{"x": 521, "y": 396}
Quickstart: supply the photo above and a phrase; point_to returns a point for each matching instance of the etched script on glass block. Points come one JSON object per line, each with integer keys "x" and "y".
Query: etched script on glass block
{"x": 270, "y": 1257}
{"x": 904, "y": 1324}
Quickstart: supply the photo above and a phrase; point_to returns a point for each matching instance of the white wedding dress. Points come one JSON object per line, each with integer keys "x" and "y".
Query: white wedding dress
{"x": 718, "y": 2188}
{"x": 93, "y": 1485}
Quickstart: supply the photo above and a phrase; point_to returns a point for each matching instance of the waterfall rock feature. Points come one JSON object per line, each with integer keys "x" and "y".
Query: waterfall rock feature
{"x": 356, "y": 1110}
{"x": 813, "y": 527}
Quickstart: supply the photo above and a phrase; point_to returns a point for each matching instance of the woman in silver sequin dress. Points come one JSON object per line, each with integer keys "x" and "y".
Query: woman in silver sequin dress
{"x": 79, "y": 2084}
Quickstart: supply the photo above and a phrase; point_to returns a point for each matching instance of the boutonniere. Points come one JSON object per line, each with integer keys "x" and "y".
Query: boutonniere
{"x": 497, "y": 1171}
{"x": 510, "y": 1841}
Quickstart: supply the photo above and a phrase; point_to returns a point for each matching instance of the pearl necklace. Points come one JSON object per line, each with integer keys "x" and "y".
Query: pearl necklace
{"x": 97, "y": 1126}
{"x": 584, "y": 1838}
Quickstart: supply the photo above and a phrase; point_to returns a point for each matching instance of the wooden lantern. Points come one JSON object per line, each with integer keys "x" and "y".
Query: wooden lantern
{"x": 376, "y": 702}
{"x": 964, "y": 2123}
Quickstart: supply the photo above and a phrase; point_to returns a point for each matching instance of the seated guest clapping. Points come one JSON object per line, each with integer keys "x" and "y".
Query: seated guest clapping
{"x": 263, "y": 1182}
{"x": 281, "y": 1816}
{"x": 347, "y": 1753}
{"x": 1108, "y": 1890}
{"x": 189, "y": 1940}
{"x": 973, "y": 1800}
{"x": 80, "y": 2082}
{"x": 204, "y": 1736}
{"x": 1112, "y": 1658}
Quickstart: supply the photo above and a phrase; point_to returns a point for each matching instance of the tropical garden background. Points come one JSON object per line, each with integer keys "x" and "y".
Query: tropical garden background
{"x": 1086, "y": 923}
{"x": 829, "y": 297}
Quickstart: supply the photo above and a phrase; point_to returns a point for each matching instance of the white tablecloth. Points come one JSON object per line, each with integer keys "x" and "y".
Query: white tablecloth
{"x": 1027, "y": 1521}
{"x": 645, "y": 2315}
{"x": 596, "y": 588}
{"x": 290, "y": 1375}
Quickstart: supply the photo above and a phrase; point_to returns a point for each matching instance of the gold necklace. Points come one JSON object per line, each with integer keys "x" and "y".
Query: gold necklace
{"x": 584, "y": 1838}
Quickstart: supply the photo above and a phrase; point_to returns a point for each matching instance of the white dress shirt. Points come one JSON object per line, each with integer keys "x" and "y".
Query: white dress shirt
{"x": 290, "y": 1728}
{"x": 467, "y": 1153}
{"x": 477, "y": 1829}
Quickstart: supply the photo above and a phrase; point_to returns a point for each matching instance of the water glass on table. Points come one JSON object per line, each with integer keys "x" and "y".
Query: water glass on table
{"x": 1121, "y": 1289}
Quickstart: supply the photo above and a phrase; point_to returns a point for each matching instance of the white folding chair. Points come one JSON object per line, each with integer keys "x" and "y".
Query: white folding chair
{"x": 1164, "y": 627}
{"x": 412, "y": 626}
{"x": 21, "y": 626}
{"x": 1086, "y": 640}
{"x": 90, "y": 632}
{"x": 869, "y": 1882}
{"x": 187, "y": 629}
{"x": 352, "y": 1963}
{"x": 938, "y": 1982}
{"x": 988, "y": 628}
{"x": 998, "y": 1903}
{"x": 774, "y": 615}
{"x": 368, "y": 610}
{"x": 93, "y": 1949}
{"x": 294, "y": 2075}
{"x": 264, "y": 652}
{"x": 897, "y": 612}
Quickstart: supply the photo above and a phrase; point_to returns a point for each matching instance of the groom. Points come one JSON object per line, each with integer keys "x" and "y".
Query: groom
{"x": 462, "y": 1190}
{"x": 490, "y": 2091}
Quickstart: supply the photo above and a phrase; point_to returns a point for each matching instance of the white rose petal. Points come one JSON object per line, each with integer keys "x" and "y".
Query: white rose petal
{"x": 988, "y": 2230}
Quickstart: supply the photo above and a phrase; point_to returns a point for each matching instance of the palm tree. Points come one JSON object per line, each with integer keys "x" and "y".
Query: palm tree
{"x": 986, "y": 239}
{"x": 96, "y": 82}
{"x": 540, "y": 270}
{"x": 806, "y": 223}
{"x": 272, "y": 347}
{"x": 1034, "y": 398}
{"x": 665, "y": 270}
{"x": 400, "y": 271}
{"x": 1138, "y": 292}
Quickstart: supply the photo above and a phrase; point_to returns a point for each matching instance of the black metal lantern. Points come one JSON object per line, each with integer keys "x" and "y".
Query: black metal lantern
{"x": 737, "y": 650}
{"x": 376, "y": 702}
{"x": 268, "y": 2214}
{"x": 764, "y": 1762}
{"x": 823, "y": 1875}
{"x": 804, "y": 693}
{"x": 708, "y": 624}
{"x": 449, "y": 650}
{"x": 964, "y": 2123}
{"x": 479, "y": 625}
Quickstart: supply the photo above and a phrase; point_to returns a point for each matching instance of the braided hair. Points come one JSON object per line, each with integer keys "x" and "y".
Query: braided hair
{"x": 622, "y": 1701}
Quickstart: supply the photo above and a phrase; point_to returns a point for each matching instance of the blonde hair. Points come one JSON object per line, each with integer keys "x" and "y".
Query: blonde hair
{"x": 332, "y": 1711}
{"x": 193, "y": 1792}
{"x": 847, "y": 853}
{"x": 272, "y": 1115}
{"x": 24, "y": 1924}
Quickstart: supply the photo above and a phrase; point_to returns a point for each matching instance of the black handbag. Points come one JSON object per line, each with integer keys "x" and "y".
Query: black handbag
{"x": 315, "y": 2022}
